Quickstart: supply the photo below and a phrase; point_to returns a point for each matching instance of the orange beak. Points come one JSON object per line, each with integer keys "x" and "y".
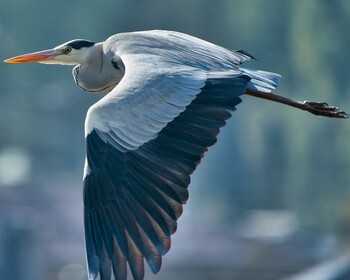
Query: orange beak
{"x": 33, "y": 57}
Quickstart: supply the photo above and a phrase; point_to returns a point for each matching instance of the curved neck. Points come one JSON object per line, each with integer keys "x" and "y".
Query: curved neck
{"x": 98, "y": 73}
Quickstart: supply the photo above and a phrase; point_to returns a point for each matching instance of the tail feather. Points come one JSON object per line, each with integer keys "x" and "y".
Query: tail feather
{"x": 262, "y": 80}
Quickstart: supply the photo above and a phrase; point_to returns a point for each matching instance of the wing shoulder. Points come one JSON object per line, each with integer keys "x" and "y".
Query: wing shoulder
{"x": 176, "y": 46}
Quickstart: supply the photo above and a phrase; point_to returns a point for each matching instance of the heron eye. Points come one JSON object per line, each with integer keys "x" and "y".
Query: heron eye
{"x": 67, "y": 50}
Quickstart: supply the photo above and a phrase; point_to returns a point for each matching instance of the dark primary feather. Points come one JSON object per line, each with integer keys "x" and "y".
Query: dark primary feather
{"x": 134, "y": 198}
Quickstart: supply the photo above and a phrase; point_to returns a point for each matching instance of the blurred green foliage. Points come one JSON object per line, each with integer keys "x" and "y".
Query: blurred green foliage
{"x": 268, "y": 157}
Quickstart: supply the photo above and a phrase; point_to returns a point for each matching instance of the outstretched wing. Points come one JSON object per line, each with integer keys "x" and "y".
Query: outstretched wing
{"x": 145, "y": 138}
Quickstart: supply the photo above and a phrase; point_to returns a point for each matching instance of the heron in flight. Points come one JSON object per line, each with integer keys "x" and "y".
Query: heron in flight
{"x": 169, "y": 95}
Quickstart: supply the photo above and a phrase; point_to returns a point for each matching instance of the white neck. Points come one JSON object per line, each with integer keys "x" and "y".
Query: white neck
{"x": 96, "y": 72}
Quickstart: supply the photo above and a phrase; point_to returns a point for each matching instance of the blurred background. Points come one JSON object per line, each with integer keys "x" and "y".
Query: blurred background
{"x": 270, "y": 200}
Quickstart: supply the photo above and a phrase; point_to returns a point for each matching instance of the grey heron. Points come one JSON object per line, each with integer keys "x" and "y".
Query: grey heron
{"x": 169, "y": 95}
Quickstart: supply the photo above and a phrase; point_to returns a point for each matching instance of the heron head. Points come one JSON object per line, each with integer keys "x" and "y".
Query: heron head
{"x": 70, "y": 53}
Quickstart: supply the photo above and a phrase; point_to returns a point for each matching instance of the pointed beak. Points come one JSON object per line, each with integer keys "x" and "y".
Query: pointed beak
{"x": 34, "y": 57}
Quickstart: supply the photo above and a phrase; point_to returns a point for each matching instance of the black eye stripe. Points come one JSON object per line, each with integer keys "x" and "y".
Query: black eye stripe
{"x": 78, "y": 44}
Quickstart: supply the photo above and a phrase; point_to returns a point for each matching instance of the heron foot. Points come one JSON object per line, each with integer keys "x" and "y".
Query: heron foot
{"x": 323, "y": 109}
